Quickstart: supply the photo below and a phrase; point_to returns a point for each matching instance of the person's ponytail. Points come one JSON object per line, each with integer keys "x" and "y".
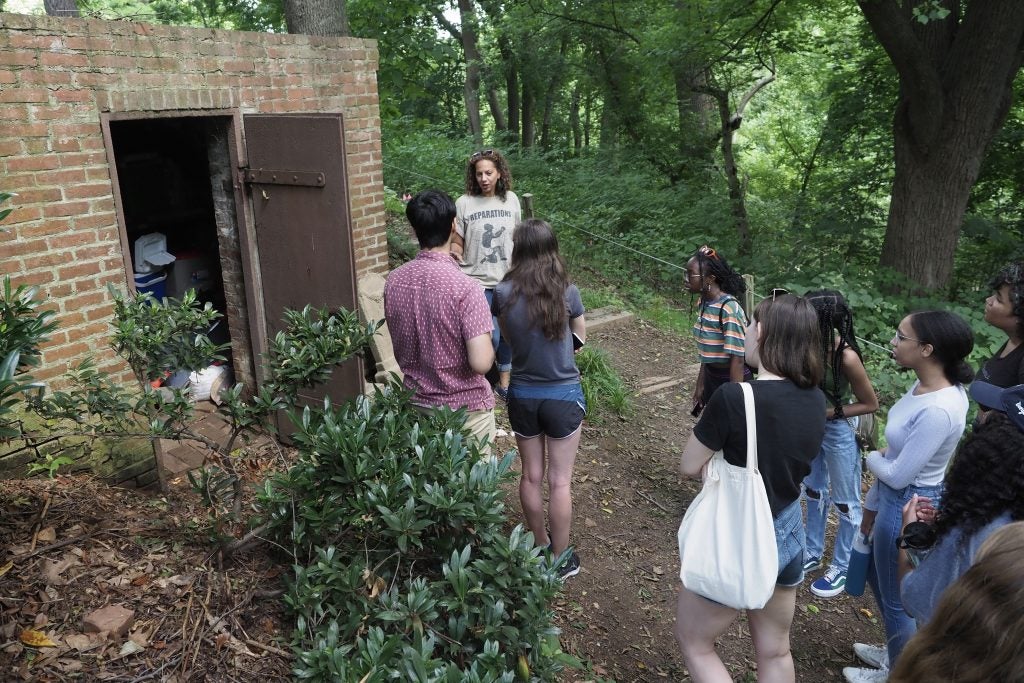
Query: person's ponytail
{"x": 951, "y": 339}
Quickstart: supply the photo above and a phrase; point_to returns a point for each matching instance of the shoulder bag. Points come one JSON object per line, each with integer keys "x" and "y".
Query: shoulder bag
{"x": 727, "y": 548}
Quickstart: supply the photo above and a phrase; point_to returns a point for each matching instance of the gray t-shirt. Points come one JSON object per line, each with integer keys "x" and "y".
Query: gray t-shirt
{"x": 948, "y": 561}
{"x": 536, "y": 360}
{"x": 485, "y": 225}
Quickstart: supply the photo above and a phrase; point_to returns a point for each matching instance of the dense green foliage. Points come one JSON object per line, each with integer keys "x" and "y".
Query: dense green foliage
{"x": 402, "y": 567}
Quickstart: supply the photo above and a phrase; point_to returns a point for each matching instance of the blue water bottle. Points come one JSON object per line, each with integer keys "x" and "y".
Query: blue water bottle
{"x": 857, "y": 571}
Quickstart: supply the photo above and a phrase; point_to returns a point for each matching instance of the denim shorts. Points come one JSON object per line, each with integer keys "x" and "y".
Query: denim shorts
{"x": 554, "y": 411}
{"x": 789, "y": 540}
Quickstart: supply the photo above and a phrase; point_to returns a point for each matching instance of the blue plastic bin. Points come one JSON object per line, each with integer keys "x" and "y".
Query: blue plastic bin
{"x": 154, "y": 283}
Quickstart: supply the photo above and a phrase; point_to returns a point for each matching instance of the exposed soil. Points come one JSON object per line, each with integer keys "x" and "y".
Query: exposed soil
{"x": 149, "y": 554}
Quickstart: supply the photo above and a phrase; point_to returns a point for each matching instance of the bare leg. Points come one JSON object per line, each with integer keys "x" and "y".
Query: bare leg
{"x": 531, "y": 486}
{"x": 504, "y": 377}
{"x": 561, "y": 457}
{"x": 699, "y": 623}
{"x": 769, "y": 628}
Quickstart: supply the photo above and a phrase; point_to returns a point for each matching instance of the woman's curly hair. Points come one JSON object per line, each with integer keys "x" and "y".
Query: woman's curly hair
{"x": 504, "y": 183}
{"x": 1012, "y": 275}
{"x": 985, "y": 480}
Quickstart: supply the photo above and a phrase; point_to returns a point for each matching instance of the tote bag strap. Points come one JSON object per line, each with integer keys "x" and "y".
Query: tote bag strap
{"x": 748, "y": 406}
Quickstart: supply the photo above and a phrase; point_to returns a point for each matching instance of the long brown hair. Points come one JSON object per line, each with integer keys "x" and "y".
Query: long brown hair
{"x": 790, "y": 341}
{"x": 538, "y": 274}
{"x": 504, "y": 183}
{"x": 976, "y": 631}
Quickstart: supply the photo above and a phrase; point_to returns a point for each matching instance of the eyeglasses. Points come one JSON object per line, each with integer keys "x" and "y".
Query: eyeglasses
{"x": 481, "y": 154}
{"x": 902, "y": 337}
{"x": 779, "y": 291}
{"x": 707, "y": 251}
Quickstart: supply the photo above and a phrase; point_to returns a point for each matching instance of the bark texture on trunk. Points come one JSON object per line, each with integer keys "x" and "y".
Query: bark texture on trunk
{"x": 316, "y": 17}
{"x": 956, "y": 78}
{"x": 471, "y": 95}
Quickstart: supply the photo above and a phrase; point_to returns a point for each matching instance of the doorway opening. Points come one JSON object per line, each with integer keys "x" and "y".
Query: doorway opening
{"x": 177, "y": 210}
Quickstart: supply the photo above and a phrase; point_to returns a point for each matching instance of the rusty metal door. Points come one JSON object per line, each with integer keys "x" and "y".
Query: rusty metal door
{"x": 297, "y": 181}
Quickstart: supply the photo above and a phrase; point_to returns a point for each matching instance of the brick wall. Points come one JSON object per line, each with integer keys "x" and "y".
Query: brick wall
{"x": 57, "y": 75}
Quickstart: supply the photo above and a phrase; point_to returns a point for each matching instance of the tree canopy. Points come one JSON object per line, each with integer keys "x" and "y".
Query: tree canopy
{"x": 879, "y": 134}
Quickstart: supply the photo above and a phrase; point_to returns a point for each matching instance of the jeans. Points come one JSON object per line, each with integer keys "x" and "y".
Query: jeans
{"x": 502, "y": 351}
{"x": 882, "y": 571}
{"x": 835, "y": 476}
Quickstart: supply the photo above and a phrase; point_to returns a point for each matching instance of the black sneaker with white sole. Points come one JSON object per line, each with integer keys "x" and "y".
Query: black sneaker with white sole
{"x": 571, "y": 567}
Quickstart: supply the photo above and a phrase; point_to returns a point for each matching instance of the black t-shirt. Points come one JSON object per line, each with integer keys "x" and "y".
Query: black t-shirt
{"x": 790, "y": 427}
{"x": 1003, "y": 372}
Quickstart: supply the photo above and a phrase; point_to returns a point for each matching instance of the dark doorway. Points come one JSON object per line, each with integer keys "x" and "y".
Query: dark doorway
{"x": 167, "y": 204}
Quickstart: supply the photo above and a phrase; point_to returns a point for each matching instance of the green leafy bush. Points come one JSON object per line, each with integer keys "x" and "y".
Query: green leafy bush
{"x": 402, "y": 570}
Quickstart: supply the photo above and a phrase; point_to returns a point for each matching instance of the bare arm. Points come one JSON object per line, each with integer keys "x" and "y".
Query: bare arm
{"x": 456, "y": 247}
{"x": 694, "y": 457}
{"x": 578, "y": 326}
{"x": 481, "y": 353}
{"x": 860, "y": 383}
{"x": 735, "y": 368}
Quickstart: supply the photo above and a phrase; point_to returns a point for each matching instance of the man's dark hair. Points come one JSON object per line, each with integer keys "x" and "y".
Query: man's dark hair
{"x": 431, "y": 213}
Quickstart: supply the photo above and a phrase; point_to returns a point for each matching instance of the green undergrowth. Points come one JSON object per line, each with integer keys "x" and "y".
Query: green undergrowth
{"x": 402, "y": 569}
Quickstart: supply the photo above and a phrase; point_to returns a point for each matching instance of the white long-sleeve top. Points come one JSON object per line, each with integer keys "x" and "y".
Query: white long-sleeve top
{"x": 922, "y": 432}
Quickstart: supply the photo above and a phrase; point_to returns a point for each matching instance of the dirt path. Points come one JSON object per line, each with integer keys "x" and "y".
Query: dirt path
{"x": 618, "y": 612}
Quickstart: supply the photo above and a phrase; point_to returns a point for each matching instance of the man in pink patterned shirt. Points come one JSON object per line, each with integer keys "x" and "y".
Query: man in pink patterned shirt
{"x": 440, "y": 323}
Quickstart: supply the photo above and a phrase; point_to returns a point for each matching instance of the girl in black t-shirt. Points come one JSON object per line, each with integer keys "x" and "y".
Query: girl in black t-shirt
{"x": 790, "y": 416}
{"x": 1004, "y": 309}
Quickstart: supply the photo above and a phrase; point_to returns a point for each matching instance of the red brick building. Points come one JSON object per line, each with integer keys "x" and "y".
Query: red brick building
{"x": 256, "y": 155}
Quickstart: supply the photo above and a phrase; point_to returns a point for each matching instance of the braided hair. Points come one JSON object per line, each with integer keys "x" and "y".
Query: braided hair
{"x": 834, "y": 315}
{"x": 1012, "y": 275}
{"x": 710, "y": 263}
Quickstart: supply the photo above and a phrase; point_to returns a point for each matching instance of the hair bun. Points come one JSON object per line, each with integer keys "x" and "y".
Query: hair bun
{"x": 963, "y": 372}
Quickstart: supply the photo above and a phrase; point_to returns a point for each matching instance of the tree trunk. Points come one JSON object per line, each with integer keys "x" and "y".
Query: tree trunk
{"x": 61, "y": 8}
{"x": 529, "y": 132}
{"x": 508, "y": 58}
{"x": 467, "y": 12}
{"x": 500, "y": 124}
{"x": 554, "y": 85}
{"x": 316, "y": 17}
{"x": 574, "y": 120}
{"x": 730, "y": 122}
{"x": 956, "y": 83}
{"x": 736, "y": 200}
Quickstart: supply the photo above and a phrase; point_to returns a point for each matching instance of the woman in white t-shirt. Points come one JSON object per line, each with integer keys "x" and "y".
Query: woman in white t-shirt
{"x": 486, "y": 217}
{"x": 922, "y": 431}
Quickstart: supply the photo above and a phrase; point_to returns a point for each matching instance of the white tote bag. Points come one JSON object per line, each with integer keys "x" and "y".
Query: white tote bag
{"x": 727, "y": 549}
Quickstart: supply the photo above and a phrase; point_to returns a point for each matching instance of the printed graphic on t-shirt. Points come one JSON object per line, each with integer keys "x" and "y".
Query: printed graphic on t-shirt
{"x": 492, "y": 247}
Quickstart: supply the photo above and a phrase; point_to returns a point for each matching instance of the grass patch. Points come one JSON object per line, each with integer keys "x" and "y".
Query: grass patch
{"x": 604, "y": 390}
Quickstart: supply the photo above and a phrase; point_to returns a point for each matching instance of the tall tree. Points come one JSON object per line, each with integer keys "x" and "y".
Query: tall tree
{"x": 956, "y": 62}
{"x": 467, "y": 34}
{"x": 316, "y": 17}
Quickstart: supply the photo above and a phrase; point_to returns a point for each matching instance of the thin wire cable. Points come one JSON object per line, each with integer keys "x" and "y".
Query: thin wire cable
{"x": 557, "y": 221}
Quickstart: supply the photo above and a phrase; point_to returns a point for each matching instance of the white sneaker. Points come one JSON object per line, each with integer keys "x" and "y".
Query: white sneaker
{"x": 872, "y": 655}
{"x": 854, "y": 674}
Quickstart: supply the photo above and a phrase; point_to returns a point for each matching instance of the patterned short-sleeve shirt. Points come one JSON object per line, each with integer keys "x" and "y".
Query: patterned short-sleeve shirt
{"x": 432, "y": 310}
{"x": 720, "y": 330}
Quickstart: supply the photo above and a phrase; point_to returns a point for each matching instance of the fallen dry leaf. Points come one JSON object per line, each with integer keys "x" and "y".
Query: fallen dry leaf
{"x": 81, "y": 642}
{"x": 34, "y": 638}
{"x": 48, "y": 535}
{"x": 6, "y": 568}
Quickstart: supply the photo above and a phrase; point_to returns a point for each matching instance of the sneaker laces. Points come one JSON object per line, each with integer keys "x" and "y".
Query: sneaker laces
{"x": 833, "y": 574}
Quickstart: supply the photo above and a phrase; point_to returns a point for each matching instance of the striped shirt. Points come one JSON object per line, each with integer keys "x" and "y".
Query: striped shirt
{"x": 720, "y": 330}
